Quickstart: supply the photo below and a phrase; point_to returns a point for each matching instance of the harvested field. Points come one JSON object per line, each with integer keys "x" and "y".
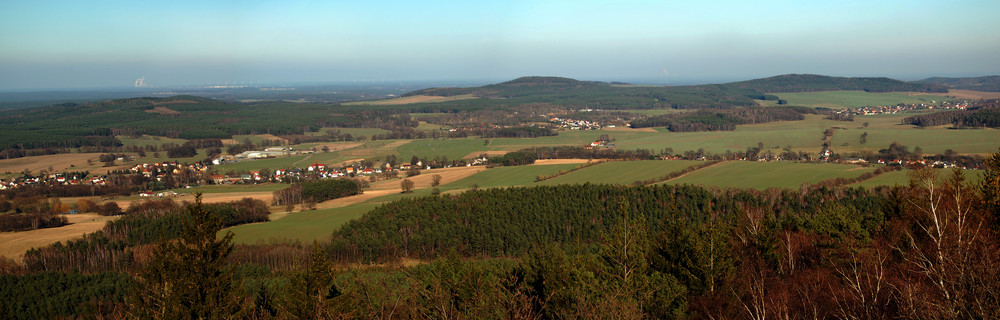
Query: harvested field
{"x": 474, "y": 154}
{"x": 58, "y": 162}
{"x": 972, "y": 94}
{"x": 16, "y": 243}
{"x": 163, "y": 110}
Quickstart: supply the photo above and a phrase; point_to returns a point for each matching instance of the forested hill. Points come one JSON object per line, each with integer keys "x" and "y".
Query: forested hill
{"x": 812, "y": 82}
{"x": 728, "y": 94}
{"x": 72, "y": 125}
{"x": 520, "y": 87}
{"x": 987, "y": 83}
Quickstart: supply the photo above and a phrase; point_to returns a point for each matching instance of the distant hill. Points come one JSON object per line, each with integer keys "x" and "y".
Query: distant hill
{"x": 523, "y": 86}
{"x": 95, "y": 124}
{"x": 540, "y": 86}
{"x": 571, "y": 92}
{"x": 987, "y": 83}
{"x": 812, "y": 82}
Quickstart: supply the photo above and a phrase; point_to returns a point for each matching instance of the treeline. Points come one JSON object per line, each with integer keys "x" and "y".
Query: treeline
{"x": 121, "y": 244}
{"x": 723, "y": 119}
{"x": 834, "y": 182}
{"x": 517, "y": 158}
{"x": 574, "y": 152}
{"x": 30, "y": 221}
{"x": 316, "y": 191}
{"x": 322, "y": 190}
{"x": 675, "y": 174}
{"x": 812, "y": 82}
{"x": 517, "y": 132}
{"x": 64, "y": 191}
{"x": 983, "y": 114}
{"x": 543, "y": 177}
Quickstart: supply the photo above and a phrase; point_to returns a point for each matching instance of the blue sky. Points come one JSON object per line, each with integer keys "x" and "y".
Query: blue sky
{"x": 78, "y": 44}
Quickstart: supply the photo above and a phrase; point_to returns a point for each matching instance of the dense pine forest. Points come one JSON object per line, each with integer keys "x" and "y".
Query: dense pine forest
{"x": 928, "y": 250}
{"x": 723, "y": 120}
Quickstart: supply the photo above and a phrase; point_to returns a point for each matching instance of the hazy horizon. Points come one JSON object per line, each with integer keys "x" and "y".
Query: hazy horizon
{"x": 56, "y": 45}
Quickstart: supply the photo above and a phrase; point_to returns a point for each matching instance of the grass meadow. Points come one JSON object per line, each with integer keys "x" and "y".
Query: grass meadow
{"x": 304, "y": 226}
{"x": 507, "y": 176}
{"x": 763, "y": 175}
{"x": 621, "y": 172}
{"x": 902, "y": 178}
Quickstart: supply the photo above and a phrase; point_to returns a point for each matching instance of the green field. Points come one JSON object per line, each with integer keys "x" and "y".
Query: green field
{"x": 272, "y": 163}
{"x": 304, "y": 226}
{"x": 507, "y": 176}
{"x": 763, "y": 175}
{"x": 621, "y": 172}
{"x": 933, "y": 140}
{"x": 902, "y": 178}
{"x": 454, "y": 149}
{"x": 849, "y": 99}
{"x": 805, "y": 135}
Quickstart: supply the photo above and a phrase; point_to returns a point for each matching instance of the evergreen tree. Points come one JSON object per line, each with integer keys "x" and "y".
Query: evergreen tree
{"x": 188, "y": 278}
{"x": 989, "y": 186}
{"x": 312, "y": 288}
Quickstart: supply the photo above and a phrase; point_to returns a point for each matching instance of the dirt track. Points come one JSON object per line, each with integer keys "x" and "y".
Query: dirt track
{"x": 14, "y": 244}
